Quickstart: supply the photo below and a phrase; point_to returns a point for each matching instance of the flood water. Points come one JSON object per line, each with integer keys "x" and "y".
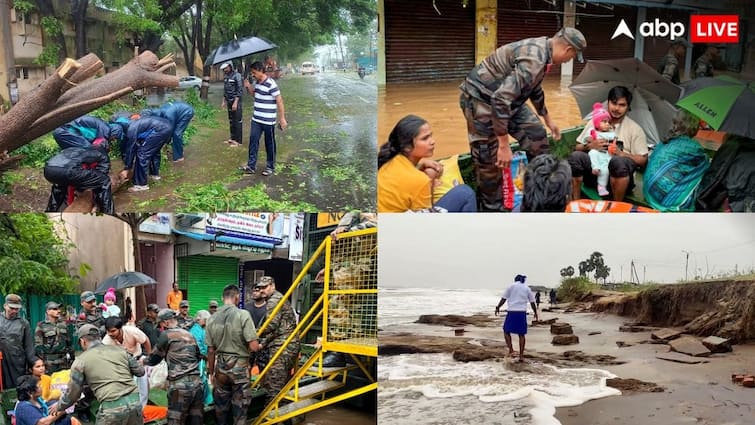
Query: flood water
{"x": 438, "y": 103}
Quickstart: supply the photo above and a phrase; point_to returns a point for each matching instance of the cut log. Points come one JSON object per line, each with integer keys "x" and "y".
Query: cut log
{"x": 15, "y": 123}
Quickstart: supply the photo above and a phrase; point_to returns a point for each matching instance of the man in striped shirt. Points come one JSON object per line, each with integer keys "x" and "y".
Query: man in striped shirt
{"x": 268, "y": 108}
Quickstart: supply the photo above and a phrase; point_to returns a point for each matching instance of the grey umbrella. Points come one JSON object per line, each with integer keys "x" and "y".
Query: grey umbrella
{"x": 124, "y": 280}
{"x": 235, "y": 49}
{"x": 653, "y": 96}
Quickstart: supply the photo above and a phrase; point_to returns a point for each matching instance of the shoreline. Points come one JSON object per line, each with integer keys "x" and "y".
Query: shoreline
{"x": 694, "y": 393}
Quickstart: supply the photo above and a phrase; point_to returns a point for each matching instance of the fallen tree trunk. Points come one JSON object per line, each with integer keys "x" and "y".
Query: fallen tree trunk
{"x": 69, "y": 93}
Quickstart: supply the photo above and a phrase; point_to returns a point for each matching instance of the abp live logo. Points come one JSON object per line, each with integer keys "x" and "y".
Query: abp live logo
{"x": 714, "y": 29}
{"x": 705, "y": 29}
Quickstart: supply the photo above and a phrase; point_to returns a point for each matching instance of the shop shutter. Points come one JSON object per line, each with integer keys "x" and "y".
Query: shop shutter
{"x": 598, "y": 24}
{"x": 423, "y": 46}
{"x": 204, "y": 278}
{"x": 520, "y": 19}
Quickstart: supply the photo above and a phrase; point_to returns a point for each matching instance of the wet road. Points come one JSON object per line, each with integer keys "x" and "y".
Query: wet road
{"x": 438, "y": 103}
{"x": 324, "y": 158}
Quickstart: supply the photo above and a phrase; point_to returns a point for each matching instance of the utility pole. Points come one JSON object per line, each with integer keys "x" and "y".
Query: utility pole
{"x": 686, "y": 266}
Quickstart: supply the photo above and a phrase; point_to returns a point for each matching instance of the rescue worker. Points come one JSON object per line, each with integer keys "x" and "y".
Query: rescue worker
{"x": 213, "y": 307}
{"x": 493, "y": 100}
{"x": 179, "y": 114}
{"x": 185, "y": 321}
{"x": 79, "y": 169}
{"x": 180, "y": 351}
{"x": 142, "y": 143}
{"x": 669, "y": 66}
{"x": 52, "y": 341}
{"x": 148, "y": 324}
{"x": 703, "y": 66}
{"x": 232, "y": 92}
{"x": 91, "y": 314}
{"x": 110, "y": 371}
{"x": 274, "y": 335}
{"x": 83, "y": 131}
{"x": 231, "y": 338}
{"x": 16, "y": 342}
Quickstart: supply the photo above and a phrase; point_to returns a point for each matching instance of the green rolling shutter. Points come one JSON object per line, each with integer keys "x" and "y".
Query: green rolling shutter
{"x": 204, "y": 278}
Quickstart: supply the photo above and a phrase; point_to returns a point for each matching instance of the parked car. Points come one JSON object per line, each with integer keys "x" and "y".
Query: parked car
{"x": 189, "y": 82}
{"x": 308, "y": 68}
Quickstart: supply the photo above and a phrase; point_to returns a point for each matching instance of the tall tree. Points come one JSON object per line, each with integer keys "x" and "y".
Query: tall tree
{"x": 567, "y": 271}
{"x": 79, "y": 9}
{"x": 33, "y": 259}
{"x": 134, "y": 220}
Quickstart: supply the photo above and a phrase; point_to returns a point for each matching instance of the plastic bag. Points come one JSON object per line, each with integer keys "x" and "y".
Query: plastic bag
{"x": 59, "y": 385}
{"x": 512, "y": 182}
{"x": 158, "y": 376}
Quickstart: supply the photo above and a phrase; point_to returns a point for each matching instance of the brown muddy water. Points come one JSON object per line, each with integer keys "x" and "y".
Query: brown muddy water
{"x": 438, "y": 103}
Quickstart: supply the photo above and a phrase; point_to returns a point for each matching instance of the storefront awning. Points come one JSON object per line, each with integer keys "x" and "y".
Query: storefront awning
{"x": 224, "y": 239}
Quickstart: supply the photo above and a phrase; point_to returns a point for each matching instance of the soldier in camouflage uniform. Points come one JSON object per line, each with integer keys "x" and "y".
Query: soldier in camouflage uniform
{"x": 91, "y": 314}
{"x": 703, "y": 66}
{"x": 669, "y": 66}
{"x": 493, "y": 100}
{"x": 110, "y": 371}
{"x": 231, "y": 338}
{"x": 179, "y": 349}
{"x": 185, "y": 321}
{"x": 274, "y": 335}
{"x": 148, "y": 324}
{"x": 52, "y": 342}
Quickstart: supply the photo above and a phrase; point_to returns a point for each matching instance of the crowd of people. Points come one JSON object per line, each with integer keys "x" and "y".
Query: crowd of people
{"x": 677, "y": 177}
{"x": 209, "y": 358}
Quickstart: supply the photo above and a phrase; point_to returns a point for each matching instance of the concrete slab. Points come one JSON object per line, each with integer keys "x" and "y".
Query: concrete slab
{"x": 690, "y": 346}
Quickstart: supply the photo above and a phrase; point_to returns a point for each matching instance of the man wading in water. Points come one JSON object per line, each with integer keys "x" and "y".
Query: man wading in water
{"x": 518, "y": 295}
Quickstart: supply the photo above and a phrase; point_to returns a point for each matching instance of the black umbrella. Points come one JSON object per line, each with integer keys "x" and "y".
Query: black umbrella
{"x": 124, "y": 280}
{"x": 235, "y": 49}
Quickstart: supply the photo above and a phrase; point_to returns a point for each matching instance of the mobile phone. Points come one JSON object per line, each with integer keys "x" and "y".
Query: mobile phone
{"x": 620, "y": 145}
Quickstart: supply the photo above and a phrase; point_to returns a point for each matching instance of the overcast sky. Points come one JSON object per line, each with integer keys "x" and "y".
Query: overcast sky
{"x": 488, "y": 250}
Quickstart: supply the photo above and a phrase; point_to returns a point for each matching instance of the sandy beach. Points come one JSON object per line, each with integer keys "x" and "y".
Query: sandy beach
{"x": 694, "y": 393}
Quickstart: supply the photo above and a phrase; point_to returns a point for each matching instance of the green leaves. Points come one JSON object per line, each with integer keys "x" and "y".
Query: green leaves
{"x": 216, "y": 197}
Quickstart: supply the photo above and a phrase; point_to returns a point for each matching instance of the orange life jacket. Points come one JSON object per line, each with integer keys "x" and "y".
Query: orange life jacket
{"x": 589, "y": 206}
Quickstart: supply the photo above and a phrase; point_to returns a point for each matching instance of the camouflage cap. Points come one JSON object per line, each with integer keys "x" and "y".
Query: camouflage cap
{"x": 153, "y": 307}
{"x": 681, "y": 40}
{"x": 88, "y": 329}
{"x": 166, "y": 314}
{"x": 88, "y": 296}
{"x": 13, "y": 301}
{"x": 52, "y": 305}
{"x": 264, "y": 281}
{"x": 575, "y": 38}
{"x": 213, "y": 303}
{"x": 183, "y": 303}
